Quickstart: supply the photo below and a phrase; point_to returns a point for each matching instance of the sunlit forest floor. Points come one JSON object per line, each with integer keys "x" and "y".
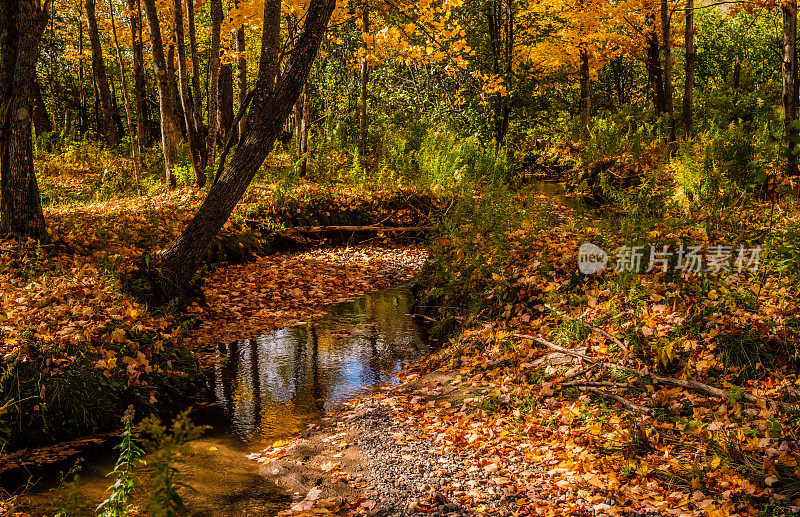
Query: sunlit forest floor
{"x": 676, "y": 395}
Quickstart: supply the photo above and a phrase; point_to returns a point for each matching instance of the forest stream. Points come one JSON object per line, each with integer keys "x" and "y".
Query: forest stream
{"x": 267, "y": 388}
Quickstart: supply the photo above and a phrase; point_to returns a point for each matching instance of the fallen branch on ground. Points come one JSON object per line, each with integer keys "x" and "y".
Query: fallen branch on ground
{"x": 664, "y": 379}
{"x": 340, "y": 228}
{"x": 622, "y": 400}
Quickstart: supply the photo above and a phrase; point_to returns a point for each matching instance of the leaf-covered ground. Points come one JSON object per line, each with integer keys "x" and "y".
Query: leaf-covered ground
{"x": 676, "y": 396}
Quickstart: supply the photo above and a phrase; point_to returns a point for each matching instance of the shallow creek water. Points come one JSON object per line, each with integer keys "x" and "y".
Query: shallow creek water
{"x": 268, "y": 388}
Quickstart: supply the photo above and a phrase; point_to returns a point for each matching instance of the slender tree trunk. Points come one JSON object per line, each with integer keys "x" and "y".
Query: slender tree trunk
{"x": 188, "y": 107}
{"x": 241, "y": 74}
{"x": 139, "y": 81}
{"x": 22, "y": 24}
{"x": 225, "y": 101}
{"x": 41, "y": 120}
{"x": 67, "y": 131}
{"x": 128, "y": 114}
{"x": 197, "y": 95}
{"x": 302, "y": 130}
{"x": 51, "y": 77}
{"x": 172, "y": 74}
{"x": 789, "y": 82}
{"x": 108, "y": 127}
{"x": 271, "y": 107}
{"x": 666, "y": 41}
{"x": 82, "y": 122}
{"x": 213, "y": 83}
{"x": 585, "y": 103}
{"x": 688, "y": 86}
{"x": 170, "y": 127}
{"x": 362, "y": 94}
{"x": 654, "y": 76}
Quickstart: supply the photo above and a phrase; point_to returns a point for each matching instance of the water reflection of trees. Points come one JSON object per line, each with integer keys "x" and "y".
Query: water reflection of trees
{"x": 273, "y": 384}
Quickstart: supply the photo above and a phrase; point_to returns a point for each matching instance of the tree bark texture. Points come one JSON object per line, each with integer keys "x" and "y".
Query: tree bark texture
{"x": 225, "y": 101}
{"x": 22, "y": 23}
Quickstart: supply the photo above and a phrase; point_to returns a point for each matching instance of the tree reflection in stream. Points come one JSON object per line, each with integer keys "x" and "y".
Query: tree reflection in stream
{"x": 272, "y": 385}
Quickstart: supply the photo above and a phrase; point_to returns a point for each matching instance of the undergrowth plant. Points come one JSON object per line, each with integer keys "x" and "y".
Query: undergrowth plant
{"x": 118, "y": 502}
{"x": 168, "y": 446}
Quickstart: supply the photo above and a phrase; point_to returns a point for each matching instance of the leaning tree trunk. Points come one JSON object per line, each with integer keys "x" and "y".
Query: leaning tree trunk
{"x": 170, "y": 126}
{"x": 271, "y": 107}
{"x": 41, "y": 120}
{"x": 188, "y": 107}
{"x": 108, "y": 127}
{"x": 688, "y": 86}
{"x": 666, "y": 42}
{"x": 789, "y": 82}
{"x": 585, "y": 103}
{"x": 22, "y": 23}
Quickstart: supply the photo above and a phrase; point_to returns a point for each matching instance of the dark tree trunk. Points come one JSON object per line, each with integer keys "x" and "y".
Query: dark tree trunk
{"x": 139, "y": 81}
{"x": 655, "y": 79}
{"x": 172, "y": 74}
{"x": 108, "y": 126}
{"x": 666, "y": 42}
{"x": 586, "y": 101}
{"x": 22, "y": 23}
{"x": 82, "y": 122}
{"x": 128, "y": 115}
{"x": 225, "y": 101}
{"x": 197, "y": 95}
{"x": 789, "y": 82}
{"x": 362, "y": 94}
{"x": 688, "y": 87}
{"x": 241, "y": 74}
{"x": 271, "y": 107}
{"x": 41, "y": 120}
{"x": 170, "y": 127}
{"x": 188, "y": 108}
{"x": 213, "y": 81}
